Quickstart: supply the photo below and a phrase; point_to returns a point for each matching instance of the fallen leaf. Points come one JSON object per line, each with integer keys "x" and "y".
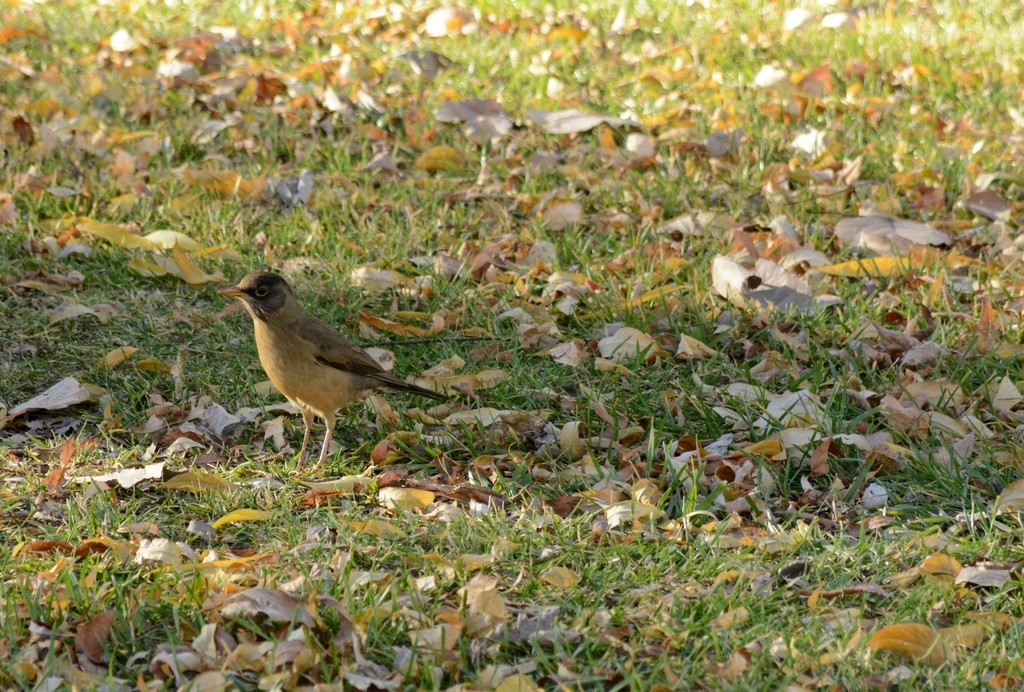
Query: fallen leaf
{"x": 573, "y": 121}
{"x": 562, "y": 577}
{"x": 731, "y": 618}
{"x": 882, "y": 235}
{"x": 440, "y": 158}
{"x": 65, "y": 393}
{"x": 983, "y": 576}
{"x": 161, "y": 550}
{"x": 917, "y": 642}
{"x": 693, "y": 349}
{"x": 485, "y": 119}
{"x": 405, "y": 498}
{"x": 880, "y": 267}
{"x": 274, "y": 604}
{"x": 197, "y": 481}
{"x": 561, "y": 215}
{"x": 93, "y": 635}
{"x": 116, "y": 357}
{"x": 436, "y": 640}
{"x": 1011, "y": 499}
{"x": 449, "y": 21}
{"x": 127, "y": 478}
{"x": 628, "y": 343}
{"x": 242, "y": 515}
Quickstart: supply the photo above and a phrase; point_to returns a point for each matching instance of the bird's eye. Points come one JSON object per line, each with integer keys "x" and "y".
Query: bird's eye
{"x": 262, "y": 291}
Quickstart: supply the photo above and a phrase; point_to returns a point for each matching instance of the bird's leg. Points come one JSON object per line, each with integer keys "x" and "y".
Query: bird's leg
{"x": 307, "y": 423}
{"x": 329, "y": 422}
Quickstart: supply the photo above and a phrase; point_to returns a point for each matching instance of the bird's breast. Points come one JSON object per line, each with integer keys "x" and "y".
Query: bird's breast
{"x": 291, "y": 365}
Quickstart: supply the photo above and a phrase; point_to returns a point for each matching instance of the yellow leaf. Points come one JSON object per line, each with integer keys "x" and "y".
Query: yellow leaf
{"x": 189, "y": 271}
{"x": 562, "y": 577}
{"x": 658, "y": 293}
{"x": 156, "y": 365}
{"x": 242, "y": 515}
{"x": 995, "y": 620}
{"x": 345, "y": 484}
{"x": 869, "y": 266}
{"x": 185, "y": 203}
{"x": 440, "y": 158}
{"x": 225, "y": 182}
{"x": 113, "y": 233}
{"x": 965, "y": 636}
{"x": 122, "y": 203}
{"x": 941, "y": 565}
{"x": 168, "y": 239}
{"x": 147, "y": 269}
{"x": 812, "y": 600}
{"x": 116, "y": 357}
{"x": 225, "y": 564}
{"x": 917, "y": 642}
{"x": 517, "y": 683}
{"x": 197, "y": 481}
{"x": 376, "y": 527}
{"x": 767, "y": 448}
{"x": 471, "y": 561}
{"x": 405, "y": 498}
{"x": 567, "y": 33}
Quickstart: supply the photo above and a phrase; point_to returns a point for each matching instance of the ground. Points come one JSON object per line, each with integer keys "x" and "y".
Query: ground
{"x": 726, "y": 298}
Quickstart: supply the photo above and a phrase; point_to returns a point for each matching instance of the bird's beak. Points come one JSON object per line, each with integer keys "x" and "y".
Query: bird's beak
{"x": 232, "y": 292}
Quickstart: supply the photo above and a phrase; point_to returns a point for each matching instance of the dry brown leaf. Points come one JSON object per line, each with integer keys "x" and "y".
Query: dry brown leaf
{"x": 274, "y": 604}
{"x": 731, "y": 618}
{"x": 485, "y": 119}
{"x": 437, "y": 640}
{"x": 92, "y": 636}
{"x": 65, "y": 393}
{"x": 127, "y": 478}
{"x": 376, "y": 280}
{"x": 882, "y": 235}
{"x": 628, "y": 343}
{"x": 983, "y": 576}
{"x": 1011, "y": 499}
{"x": 573, "y": 121}
{"x": 561, "y": 215}
{"x": 693, "y": 349}
{"x": 71, "y": 309}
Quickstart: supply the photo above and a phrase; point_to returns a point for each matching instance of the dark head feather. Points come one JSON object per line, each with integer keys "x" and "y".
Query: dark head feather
{"x": 263, "y": 293}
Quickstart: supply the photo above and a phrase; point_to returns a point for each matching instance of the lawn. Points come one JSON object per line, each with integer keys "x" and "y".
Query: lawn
{"x": 725, "y": 297}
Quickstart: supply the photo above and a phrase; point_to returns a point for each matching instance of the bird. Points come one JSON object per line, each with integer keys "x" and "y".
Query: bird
{"x": 307, "y": 360}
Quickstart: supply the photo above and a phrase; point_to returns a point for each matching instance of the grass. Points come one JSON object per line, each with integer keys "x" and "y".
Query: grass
{"x": 754, "y": 573}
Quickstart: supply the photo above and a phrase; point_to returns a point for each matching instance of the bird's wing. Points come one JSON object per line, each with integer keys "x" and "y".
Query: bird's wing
{"x": 333, "y": 349}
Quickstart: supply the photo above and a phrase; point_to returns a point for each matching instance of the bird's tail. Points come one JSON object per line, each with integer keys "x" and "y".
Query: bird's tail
{"x": 398, "y": 385}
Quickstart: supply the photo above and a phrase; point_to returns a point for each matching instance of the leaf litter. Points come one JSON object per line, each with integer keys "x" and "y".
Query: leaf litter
{"x": 669, "y": 416}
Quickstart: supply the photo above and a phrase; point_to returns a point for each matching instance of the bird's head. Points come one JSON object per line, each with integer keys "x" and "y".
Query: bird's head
{"x": 264, "y": 294}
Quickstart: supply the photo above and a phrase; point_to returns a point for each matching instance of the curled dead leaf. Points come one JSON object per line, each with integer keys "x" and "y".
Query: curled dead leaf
{"x": 915, "y": 641}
